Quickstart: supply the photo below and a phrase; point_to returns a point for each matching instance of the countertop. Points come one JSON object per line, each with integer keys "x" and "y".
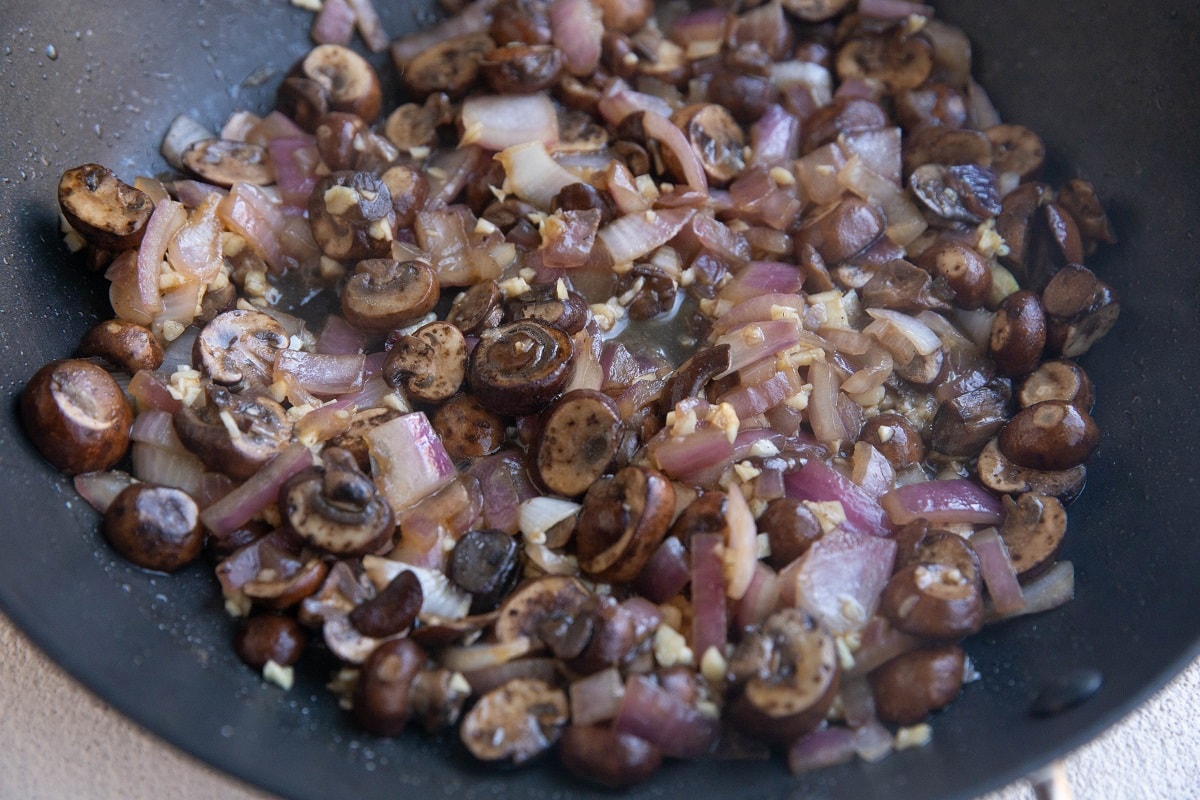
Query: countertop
{"x": 61, "y": 741}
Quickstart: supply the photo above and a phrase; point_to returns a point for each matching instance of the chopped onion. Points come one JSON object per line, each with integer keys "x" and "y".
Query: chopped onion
{"x": 823, "y": 414}
{"x": 761, "y": 597}
{"x": 873, "y": 473}
{"x": 740, "y": 552}
{"x": 99, "y": 489}
{"x": 503, "y": 484}
{"x": 339, "y": 337}
{"x": 496, "y": 122}
{"x": 577, "y": 27}
{"x": 632, "y": 236}
{"x": 1049, "y": 590}
{"x": 532, "y": 175}
{"x": 484, "y": 679}
{"x": 686, "y": 456}
{"x": 568, "y": 237}
{"x": 821, "y": 748}
{"x": 334, "y": 23}
{"x": 775, "y": 138}
{"x": 596, "y": 698}
{"x": 167, "y": 218}
{"x": 710, "y": 620}
{"x": 666, "y": 573}
{"x": 996, "y": 568}
{"x": 474, "y": 18}
{"x": 757, "y": 398}
{"x": 619, "y": 101}
{"x": 660, "y": 129}
{"x": 149, "y": 392}
{"x": 408, "y": 459}
{"x": 625, "y": 193}
{"x": 858, "y": 704}
{"x": 819, "y": 482}
{"x": 652, "y": 713}
{"x": 196, "y": 249}
{"x": 878, "y": 149}
{"x": 296, "y": 160}
{"x": 250, "y": 212}
{"x": 760, "y": 308}
{"x": 239, "y": 506}
{"x": 718, "y": 238}
{"x": 762, "y": 277}
{"x": 321, "y": 373}
{"x": 893, "y": 9}
{"x": 839, "y": 578}
{"x": 940, "y": 502}
{"x": 818, "y": 173}
{"x": 758, "y": 340}
{"x": 880, "y": 643}
{"x": 904, "y": 336}
{"x": 873, "y": 742}
{"x": 166, "y": 467}
{"x": 370, "y": 28}
{"x": 539, "y": 514}
{"x": 476, "y": 657}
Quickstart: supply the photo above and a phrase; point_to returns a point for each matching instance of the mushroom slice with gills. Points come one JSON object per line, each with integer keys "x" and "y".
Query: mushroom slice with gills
{"x": 939, "y": 595}
{"x": 385, "y": 294}
{"x": 429, "y": 363}
{"x": 715, "y": 136}
{"x": 961, "y": 192}
{"x": 1034, "y": 528}
{"x": 520, "y": 368}
{"x": 1017, "y": 150}
{"x": 578, "y": 441}
{"x": 1059, "y": 379}
{"x": 477, "y": 308}
{"x": 237, "y": 349}
{"x": 622, "y": 522}
{"x": 546, "y": 304}
{"x": 222, "y": 162}
{"x": 107, "y": 212}
{"x": 349, "y": 81}
{"x": 284, "y": 591}
{"x": 515, "y": 722}
{"x": 784, "y": 676}
{"x": 551, "y": 599}
{"x": 233, "y": 434}
{"x": 1080, "y": 310}
{"x": 1002, "y": 475}
{"x": 351, "y": 216}
{"x": 450, "y": 66}
{"x": 336, "y": 508}
{"x": 897, "y": 61}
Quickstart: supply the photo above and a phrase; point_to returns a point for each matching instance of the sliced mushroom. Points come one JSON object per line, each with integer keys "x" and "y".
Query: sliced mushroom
{"x": 544, "y": 304}
{"x": 923, "y": 368}
{"x": 412, "y": 125}
{"x": 477, "y": 308}
{"x": 903, "y": 286}
{"x": 346, "y": 142}
{"x": 963, "y": 425}
{"x": 785, "y": 677}
{"x": 1034, "y": 528}
{"x": 349, "y": 80}
{"x": 1015, "y": 221}
{"x": 487, "y": 564}
{"x": 384, "y": 294}
{"x": 515, "y": 722}
{"x": 429, "y": 364}
{"x": 1002, "y": 475}
{"x": 623, "y": 520}
{"x": 76, "y": 416}
{"x": 525, "y": 612}
{"x": 1050, "y": 435}
{"x": 450, "y": 66}
{"x": 107, "y": 212}
{"x": 650, "y": 291}
{"x": 963, "y": 269}
{"x": 578, "y": 441}
{"x": 467, "y": 429}
{"x": 409, "y": 189}
{"x": 270, "y": 637}
{"x": 842, "y": 230}
{"x": 815, "y": 10}
{"x": 237, "y": 349}
{"x": 224, "y": 163}
{"x": 962, "y": 192}
{"x": 717, "y": 139}
{"x": 791, "y": 528}
{"x": 1018, "y": 334}
{"x": 601, "y": 755}
{"x": 155, "y": 527}
{"x": 690, "y": 377}
{"x": 521, "y": 367}
{"x": 382, "y": 693}
{"x": 234, "y": 434}
{"x": 279, "y": 591}
{"x": 392, "y": 611}
{"x": 522, "y": 68}
{"x": 894, "y": 436}
{"x": 934, "y": 599}
{"x": 1080, "y": 310}
{"x": 128, "y": 345}
{"x": 1016, "y": 149}
{"x": 945, "y": 146}
{"x": 1059, "y": 379}
{"x": 437, "y": 697}
{"x": 351, "y": 216}
{"x": 914, "y": 684}
{"x": 1054, "y": 242}
{"x": 302, "y": 100}
{"x": 1079, "y": 198}
{"x": 897, "y": 61}
{"x": 336, "y": 507}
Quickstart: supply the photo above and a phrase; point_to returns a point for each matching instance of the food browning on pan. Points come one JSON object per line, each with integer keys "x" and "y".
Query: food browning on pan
{"x": 631, "y": 385}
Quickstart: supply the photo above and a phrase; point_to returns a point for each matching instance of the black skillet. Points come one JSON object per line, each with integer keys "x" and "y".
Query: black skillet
{"x": 1111, "y": 87}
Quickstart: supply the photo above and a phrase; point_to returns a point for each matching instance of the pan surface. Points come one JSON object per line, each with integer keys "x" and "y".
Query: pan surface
{"x": 1111, "y": 87}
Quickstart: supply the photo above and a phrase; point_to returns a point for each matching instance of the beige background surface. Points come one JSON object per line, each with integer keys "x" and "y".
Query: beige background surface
{"x": 58, "y": 741}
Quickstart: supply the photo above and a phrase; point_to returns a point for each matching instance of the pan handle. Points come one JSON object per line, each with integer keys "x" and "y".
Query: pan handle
{"x": 1050, "y": 782}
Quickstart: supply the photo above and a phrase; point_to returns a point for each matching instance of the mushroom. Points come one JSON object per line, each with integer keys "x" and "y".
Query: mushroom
{"x": 622, "y": 522}
{"x": 409, "y": 189}
{"x": 715, "y": 136}
{"x": 791, "y": 528}
{"x": 392, "y": 611}
{"x": 346, "y": 142}
{"x": 599, "y": 754}
{"x": 413, "y": 125}
{"x": 383, "y": 294}
{"x": 270, "y": 637}
{"x": 538, "y": 605}
{"x": 895, "y": 437}
{"x": 913, "y": 684}
{"x": 1054, "y": 242}
{"x": 897, "y": 61}
{"x": 1050, "y": 435}
{"x": 348, "y": 80}
{"x": 522, "y": 68}
{"x": 1080, "y": 310}
{"x": 486, "y": 564}
{"x": 233, "y": 434}
{"x": 1017, "y": 150}
{"x": 545, "y": 304}
{"x": 336, "y": 507}
{"x": 843, "y": 115}
{"x": 923, "y": 368}
{"x": 963, "y": 270}
{"x": 647, "y": 291}
{"x": 128, "y": 345}
{"x": 1000, "y": 474}
{"x": 903, "y": 286}
{"x": 382, "y": 692}
{"x": 1059, "y": 379}
{"x": 1015, "y": 221}
{"x": 747, "y": 97}
{"x": 1018, "y": 334}
{"x": 436, "y": 698}
{"x": 843, "y": 229}
{"x": 961, "y": 192}
{"x": 107, "y": 212}
{"x": 467, "y": 429}
{"x": 429, "y": 363}
{"x": 627, "y": 16}
{"x": 155, "y": 527}
{"x": 690, "y": 377}
{"x": 784, "y": 677}
{"x": 477, "y": 308}
{"x": 351, "y": 216}
{"x": 237, "y": 349}
{"x": 521, "y": 367}
{"x": 934, "y": 104}
{"x": 449, "y": 66}
{"x": 1034, "y": 528}
{"x": 515, "y": 722}
{"x": 962, "y": 425}
{"x": 525, "y": 21}
{"x": 938, "y": 595}
{"x": 1078, "y": 197}
{"x": 76, "y": 416}
{"x": 815, "y": 10}
{"x": 302, "y": 100}
{"x": 578, "y": 441}
{"x": 280, "y": 590}
{"x": 945, "y": 146}
{"x": 223, "y": 162}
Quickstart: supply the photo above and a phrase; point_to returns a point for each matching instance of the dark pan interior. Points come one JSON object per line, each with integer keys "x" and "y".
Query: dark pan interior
{"x": 1110, "y": 86}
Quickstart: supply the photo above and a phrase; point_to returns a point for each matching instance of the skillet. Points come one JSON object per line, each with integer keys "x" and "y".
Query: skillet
{"x": 1110, "y": 87}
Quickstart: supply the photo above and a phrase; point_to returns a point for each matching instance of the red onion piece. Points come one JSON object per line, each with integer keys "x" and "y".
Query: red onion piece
{"x": 155, "y": 427}
{"x": 623, "y": 188}
{"x": 193, "y": 193}
{"x": 818, "y": 172}
{"x": 686, "y": 456}
{"x": 839, "y": 578}
{"x": 568, "y": 238}
{"x": 752, "y": 400}
{"x": 821, "y": 748}
{"x": 632, "y": 236}
{"x": 250, "y": 212}
{"x": 166, "y": 467}
{"x": 650, "y": 712}
{"x": 532, "y": 175}
{"x": 873, "y": 742}
{"x": 577, "y": 27}
{"x": 904, "y": 220}
{"x": 475, "y": 18}
{"x": 758, "y": 340}
{"x": 295, "y": 159}
{"x": 370, "y": 28}
{"x": 485, "y": 679}
{"x": 660, "y": 128}
{"x": 710, "y": 620}
{"x": 817, "y": 481}
{"x": 195, "y": 249}
{"x": 858, "y": 703}
{"x": 334, "y": 23}
{"x": 823, "y": 415}
{"x": 873, "y": 473}
{"x": 645, "y": 616}
{"x": 903, "y": 335}
{"x": 408, "y": 460}
{"x": 775, "y": 138}
{"x": 238, "y": 507}
{"x": 213, "y": 486}
{"x": 619, "y": 101}
{"x": 718, "y": 238}
{"x": 450, "y": 170}
{"x": 496, "y": 122}
{"x": 666, "y": 573}
{"x": 503, "y": 484}
{"x": 596, "y": 698}
{"x": 99, "y": 489}
{"x": 167, "y": 218}
{"x": 701, "y": 25}
{"x": 952, "y": 501}
{"x": 760, "y": 308}
{"x": 339, "y": 337}
{"x": 762, "y": 277}
{"x": 321, "y": 373}
{"x": 996, "y": 568}
{"x": 761, "y": 597}
{"x": 858, "y": 89}
{"x": 1047, "y": 591}
{"x": 880, "y": 643}
{"x": 893, "y": 9}
{"x": 879, "y": 149}
{"x": 150, "y": 392}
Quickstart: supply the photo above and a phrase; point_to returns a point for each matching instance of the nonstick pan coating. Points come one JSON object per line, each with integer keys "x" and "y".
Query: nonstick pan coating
{"x": 1111, "y": 87}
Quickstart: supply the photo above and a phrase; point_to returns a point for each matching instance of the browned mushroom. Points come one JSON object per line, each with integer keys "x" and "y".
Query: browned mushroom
{"x": 897, "y": 61}
{"x": 903, "y": 286}
{"x": 76, "y": 416}
{"x": 1034, "y": 528}
{"x": 100, "y": 207}
{"x": 515, "y": 722}
{"x": 521, "y": 367}
{"x": 914, "y": 684}
{"x": 393, "y": 610}
{"x": 963, "y": 192}
{"x": 413, "y": 125}
{"x": 601, "y": 755}
{"x": 278, "y": 589}
{"x": 784, "y": 676}
{"x": 933, "y": 104}
{"x": 544, "y": 304}
{"x": 409, "y": 189}
{"x": 302, "y": 100}
{"x": 791, "y": 528}
{"x": 381, "y": 695}
{"x": 351, "y": 216}
{"x": 937, "y": 599}
{"x": 383, "y": 294}
{"x": 746, "y": 96}
{"x": 237, "y": 349}
{"x": 622, "y": 522}
{"x": 1052, "y": 242}
{"x": 1000, "y": 474}
{"x": 234, "y": 434}
{"x": 945, "y": 146}
{"x": 552, "y": 598}
{"x": 1050, "y": 435}
{"x": 843, "y": 115}
{"x": 894, "y": 436}
{"x": 1016, "y": 149}
{"x": 486, "y": 564}
{"x": 128, "y": 345}
{"x": 522, "y": 68}
{"x": 842, "y": 230}
{"x": 815, "y": 10}
{"x": 429, "y": 363}
{"x": 525, "y": 21}
{"x": 437, "y": 697}
{"x": 650, "y": 291}
{"x": 336, "y": 507}
{"x": 477, "y": 308}
{"x": 349, "y": 81}
{"x": 450, "y": 66}
{"x": 717, "y": 139}
{"x": 223, "y": 162}
{"x": 1059, "y": 379}
{"x": 964, "y": 270}
{"x": 578, "y": 442}
{"x": 467, "y": 429}
{"x": 1080, "y": 310}
{"x": 1079, "y": 198}
{"x": 155, "y": 527}
{"x": 346, "y": 142}
{"x": 1018, "y": 334}
{"x": 962, "y": 426}
{"x": 270, "y": 637}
